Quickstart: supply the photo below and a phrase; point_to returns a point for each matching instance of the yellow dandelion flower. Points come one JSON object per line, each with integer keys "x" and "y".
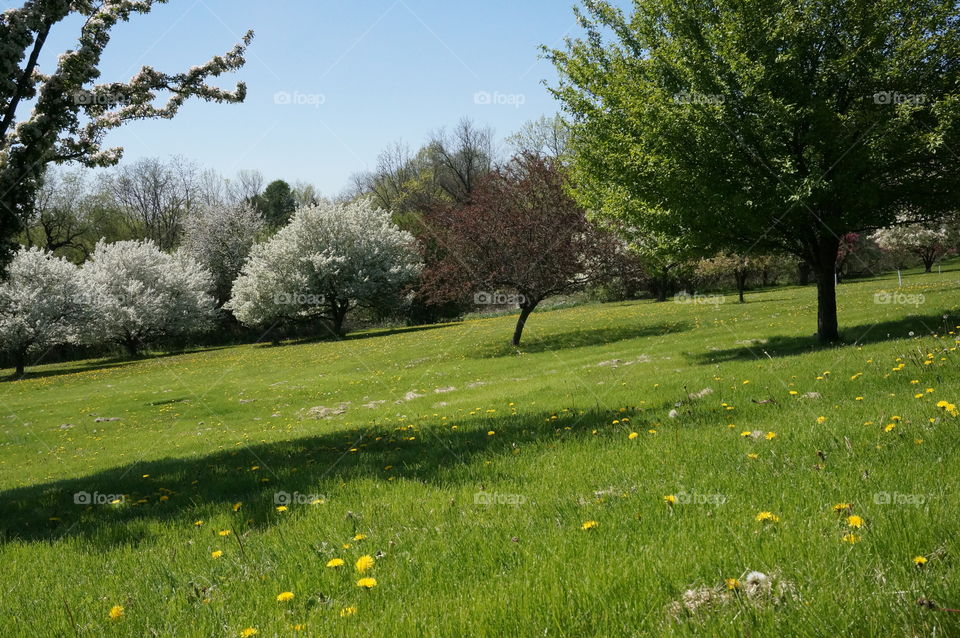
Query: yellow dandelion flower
{"x": 919, "y": 561}
{"x": 347, "y": 611}
{"x": 236, "y": 508}
{"x": 732, "y": 584}
{"x": 670, "y": 499}
{"x": 198, "y": 523}
{"x": 771, "y": 435}
{"x": 753, "y": 455}
{"x": 491, "y": 432}
{"x": 335, "y": 562}
{"x": 842, "y": 507}
{"x": 116, "y": 612}
{"x": 889, "y": 427}
{"x": 767, "y": 517}
{"x": 359, "y": 537}
{"x": 249, "y": 631}
{"x": 281, "y": 508}
{"x": 821, "y": 419}
{"x": 794, "y": 392}
{"x": 216, "y": 553}
{"x": 285, "y": 596}
{"x": 632, "y": 435}
{"x": 588, "y": 525}
{"x": 364, "y": 563}
{"x": 367, "y": 583}
{"x": 851, "y": 538}
{"x": 855, "y": 521}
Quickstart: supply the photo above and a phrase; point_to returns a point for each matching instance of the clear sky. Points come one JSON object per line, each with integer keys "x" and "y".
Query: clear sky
{"x": 360, "y": 74}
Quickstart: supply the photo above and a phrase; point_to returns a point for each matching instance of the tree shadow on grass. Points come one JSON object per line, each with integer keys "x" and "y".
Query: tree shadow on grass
{"x": 105, "y": 363}
{"x": 180, "y": 491}
{"x": 368, "y": 334}
{"x": 578, "y": 339}
{"x": 788, "y": 346}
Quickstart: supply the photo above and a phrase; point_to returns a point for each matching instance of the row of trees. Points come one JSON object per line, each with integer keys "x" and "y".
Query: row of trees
{"x": 150, "y": 199}
{"x": 128, "y": 293}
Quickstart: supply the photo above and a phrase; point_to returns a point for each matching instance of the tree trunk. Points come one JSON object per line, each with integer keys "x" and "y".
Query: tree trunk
{"x": 928, "y": 264}
{"x": 338, "y": 313}
{"x": 741, "y": 284}
{"x": 20, "y": 360}
{"x": 525, "y": 311}
{"x": 132, "y": 346}
{"x": 825, "y": 269}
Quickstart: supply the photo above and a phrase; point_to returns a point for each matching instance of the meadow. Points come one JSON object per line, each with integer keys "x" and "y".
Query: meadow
{"x": 639, "y": 468}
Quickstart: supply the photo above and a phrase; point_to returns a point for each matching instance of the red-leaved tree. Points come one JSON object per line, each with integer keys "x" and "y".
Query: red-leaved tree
{"x": 521, "y": 232}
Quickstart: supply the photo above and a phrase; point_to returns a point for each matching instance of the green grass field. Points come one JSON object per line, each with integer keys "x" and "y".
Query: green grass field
{"x": 504, "y": 493}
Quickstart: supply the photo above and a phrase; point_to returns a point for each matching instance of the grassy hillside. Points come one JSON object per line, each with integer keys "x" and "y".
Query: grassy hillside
{"x": 549, "y": 491}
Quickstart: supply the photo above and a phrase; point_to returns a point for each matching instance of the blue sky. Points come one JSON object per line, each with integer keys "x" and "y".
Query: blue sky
{"x": 359, "y": 75}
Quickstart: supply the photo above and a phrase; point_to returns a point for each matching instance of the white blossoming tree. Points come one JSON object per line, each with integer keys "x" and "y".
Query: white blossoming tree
{"x": 928, "y": 242}
{"x": 142, "y": 294}
{"x": 42, "y": 304}
{"x": 219, "y": 237}
{"x": 70, "y": 113}
{"x": 330, "y": 259}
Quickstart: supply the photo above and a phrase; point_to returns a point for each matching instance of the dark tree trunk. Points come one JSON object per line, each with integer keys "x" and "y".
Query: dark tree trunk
{"x": 825, "y": 270}
{"x": 741, "y": 283}
{"x": 525, "y": 310}
{"x": 20, "y": 361}
{"x": 928, "y": 264}
{"x": 338, "y": 313}
{"x": 803, "y": 273}
{"x": 132, "y": 346}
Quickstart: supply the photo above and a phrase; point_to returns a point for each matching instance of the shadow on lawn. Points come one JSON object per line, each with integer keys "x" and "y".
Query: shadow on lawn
{"x": 106, "y": 363}
{"x": 788, "y": 346}
{"x": 579, "y": 339}
{"x": 208, "y": 486}
{"x": 386, "y": 332}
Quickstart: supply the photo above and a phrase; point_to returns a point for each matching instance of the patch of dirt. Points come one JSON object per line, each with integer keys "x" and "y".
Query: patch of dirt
{"x": 322, "y": 412}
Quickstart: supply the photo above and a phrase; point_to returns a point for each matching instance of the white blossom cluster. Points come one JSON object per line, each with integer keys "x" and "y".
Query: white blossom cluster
{"x": 330, "y": 259}
{"x": 129, "y": 293}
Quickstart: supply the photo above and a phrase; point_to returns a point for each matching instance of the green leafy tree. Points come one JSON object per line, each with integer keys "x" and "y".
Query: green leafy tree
{"x": 766, "y": 126}
{"x": 70, "y": 113}
{"x": 277, "y": 203}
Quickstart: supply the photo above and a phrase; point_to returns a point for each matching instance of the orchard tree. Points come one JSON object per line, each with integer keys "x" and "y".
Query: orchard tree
{"x": 69, "y": 113}
{"x": 766, "y": 126}
{"x": 277, "y": 203}
{"x": 219, "y": 237}
{"x": 42, "y": 304}
{"x": 522, "y": 232}
{"x": 928, "y": 242}
{"x": 142, "y": 294}
{"x": 328, "y": 260}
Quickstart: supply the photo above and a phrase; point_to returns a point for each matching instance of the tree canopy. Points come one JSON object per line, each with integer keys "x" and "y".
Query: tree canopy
{"x": 768, "y": 125}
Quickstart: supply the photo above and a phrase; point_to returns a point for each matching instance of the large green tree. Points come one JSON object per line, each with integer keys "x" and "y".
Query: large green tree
{"x": 70, "y": 113}
{"x": 767, "y": 125}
